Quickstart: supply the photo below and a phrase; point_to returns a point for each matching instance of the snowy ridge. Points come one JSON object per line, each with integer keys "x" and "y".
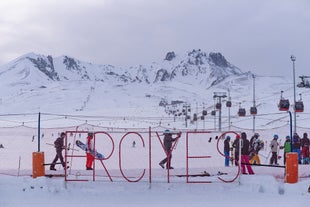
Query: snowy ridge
{"x": 43, "y": 83}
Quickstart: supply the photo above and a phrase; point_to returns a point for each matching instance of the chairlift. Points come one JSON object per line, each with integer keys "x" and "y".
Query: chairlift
{"x": 213, "y": 113}
{"x": 304, "y": 82}
{"x": 202, "y": 118}
{"x": 299, "y": 105}
{"x": 253, "y": 110}
{"x": 284, "y": 104}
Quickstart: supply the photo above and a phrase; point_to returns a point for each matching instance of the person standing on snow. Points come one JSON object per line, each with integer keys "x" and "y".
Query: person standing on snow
{"x": 235, "y": 146}
{"x": 168, "y": 140}
{"x": 274, "y": 150}
{"x": 226, "y": 151}
{"x": 253, "y": 140}
{"x": 90, "y": 147}
{"x": 257, "y": 146}
{"x": 296, "y": 146}
{"x": 245, "y": 164}
{"x": 286, "y": 147}
{"x": 305, "y": 143}
{"x": 59, "y": 146}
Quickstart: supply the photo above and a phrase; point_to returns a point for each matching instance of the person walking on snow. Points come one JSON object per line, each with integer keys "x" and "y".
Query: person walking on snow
{"x": 226, "y": 151}
{"x": 168, "y": 140}
{"x": 59, "y": 146}
{"x": 90, "y": 147}
{"x": 274, "y": 150}
{"x": 245, "y": 164}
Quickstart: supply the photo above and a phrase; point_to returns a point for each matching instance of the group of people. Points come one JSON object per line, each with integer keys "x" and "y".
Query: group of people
{"x": 249, "y": 150}
{"x": 301, "y": 146}
{"x": 59, "y": 146}
{"x": 241, "y": 145}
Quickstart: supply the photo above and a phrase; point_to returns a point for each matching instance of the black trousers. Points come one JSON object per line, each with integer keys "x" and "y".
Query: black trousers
{"x": 167, "y": 159}
{"x": 274, "y": 158}
{"x": 58, "y": 156}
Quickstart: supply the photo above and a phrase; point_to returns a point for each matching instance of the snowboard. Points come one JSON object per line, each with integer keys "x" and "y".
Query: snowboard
{"x": 83, "y": 146}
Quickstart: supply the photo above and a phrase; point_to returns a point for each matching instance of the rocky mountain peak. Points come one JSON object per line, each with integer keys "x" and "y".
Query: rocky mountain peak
{"x": 218, "y": 59}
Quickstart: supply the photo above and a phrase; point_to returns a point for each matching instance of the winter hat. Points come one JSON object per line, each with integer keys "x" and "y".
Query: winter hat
{"x": 256, "y": 134}
{"x": 237, "y": 136}
{"x": 275, "y": 136}
{"x": 62, "y": 134}
{"x": 167, "y": 131}
{"x": 227, "y": 137}
{"x": 287, "y": 137}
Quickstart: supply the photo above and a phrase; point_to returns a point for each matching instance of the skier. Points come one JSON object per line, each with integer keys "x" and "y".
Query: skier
{"x": 168, "y": 140}
{"x": 305, "y": 143}
{"x": 226, "y": 150}
{"x": 274, "y": 150}
{"x": 296, "y": 146}
{"x": 245, "y": 164}
{"x": 90, "y": 147}
{"x": 59, "y": 146}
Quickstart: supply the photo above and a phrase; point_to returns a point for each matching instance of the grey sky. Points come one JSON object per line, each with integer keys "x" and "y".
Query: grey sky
{"x": 256, "y": 35}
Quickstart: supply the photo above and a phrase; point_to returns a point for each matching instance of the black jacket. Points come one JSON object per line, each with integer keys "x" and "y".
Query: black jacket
{"x": 59, "y": 143}
{"x": 168, "y": 140}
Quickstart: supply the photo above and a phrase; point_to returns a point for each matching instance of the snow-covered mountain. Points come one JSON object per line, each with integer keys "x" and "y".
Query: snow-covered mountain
{"x": 65, "y": 85}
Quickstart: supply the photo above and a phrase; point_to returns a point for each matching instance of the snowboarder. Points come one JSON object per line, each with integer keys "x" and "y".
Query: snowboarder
{"x": 90, "y": 147}
{"x": 252, "y": 141}
{"x": 168, "y": 140}
{"x": 274, "y": 150}
{"x": 245, "y": 164}
{"x": 226, "y": 150}
{"x": 305, "y": 143}
{"x": 59, "y": 146}
{"x": 257, "y": 146}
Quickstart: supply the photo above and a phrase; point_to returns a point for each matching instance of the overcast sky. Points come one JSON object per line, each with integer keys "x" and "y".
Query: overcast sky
{"x": 255, "y": 35}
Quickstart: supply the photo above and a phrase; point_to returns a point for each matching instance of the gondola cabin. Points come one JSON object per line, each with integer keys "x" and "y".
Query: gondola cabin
{"x": 195, "y": 118}
{"x": 228, "y": 104}
{"x": 299, "y": 106}
{"x": 241, "y": 112}
{"x": 253, "y": 110}
{"x": 284, "y": 105}
{"x": 204, "y": 112}
{"x": 218, "y": 106}
{"x": 213, "y": 113}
